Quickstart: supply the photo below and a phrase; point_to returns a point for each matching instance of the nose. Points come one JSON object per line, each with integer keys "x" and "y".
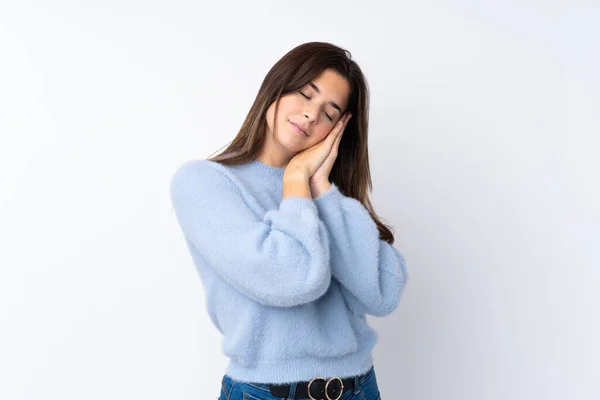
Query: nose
{"x": 310, "y": 113}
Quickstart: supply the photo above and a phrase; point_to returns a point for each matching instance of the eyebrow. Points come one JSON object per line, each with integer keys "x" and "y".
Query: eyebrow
{"x": 333, "y": 104}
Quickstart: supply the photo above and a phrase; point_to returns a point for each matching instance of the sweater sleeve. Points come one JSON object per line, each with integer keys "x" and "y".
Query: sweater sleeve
{"x": 371, "y": 271}
{"x": 280, "y": 258}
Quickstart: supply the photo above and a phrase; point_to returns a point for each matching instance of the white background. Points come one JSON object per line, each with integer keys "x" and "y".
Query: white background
{"x": 483, "y": 144}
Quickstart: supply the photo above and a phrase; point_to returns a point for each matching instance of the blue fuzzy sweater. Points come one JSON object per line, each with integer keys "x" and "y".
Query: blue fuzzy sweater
{"x": 288, "y": 282}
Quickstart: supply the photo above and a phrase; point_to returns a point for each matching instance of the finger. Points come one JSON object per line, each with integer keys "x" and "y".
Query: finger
{"x": 339, "y": 126}
{"x": 339, "y": 130}
{"x": 343, "y": 127}
{"x": 336, "y": 144}
{"x": 338, "y": 138}
{"x": 347, "y": 119}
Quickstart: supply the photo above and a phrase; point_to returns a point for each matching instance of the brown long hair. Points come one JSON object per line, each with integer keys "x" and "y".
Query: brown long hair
{"x": 350, "y": 172}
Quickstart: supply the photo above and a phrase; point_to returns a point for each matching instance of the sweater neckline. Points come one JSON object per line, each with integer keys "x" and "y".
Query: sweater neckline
{"x": 267, "y": 168}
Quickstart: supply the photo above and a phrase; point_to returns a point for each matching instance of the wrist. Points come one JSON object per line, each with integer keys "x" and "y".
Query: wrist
{"x": 319, "y": 187}
{"x": 296, "y": 173}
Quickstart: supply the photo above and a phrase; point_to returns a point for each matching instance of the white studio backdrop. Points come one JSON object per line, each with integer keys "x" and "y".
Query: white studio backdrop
{"x": 483, "y": 143}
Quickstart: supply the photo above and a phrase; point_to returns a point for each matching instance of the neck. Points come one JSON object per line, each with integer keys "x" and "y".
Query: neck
{"x": 274, "y": 155}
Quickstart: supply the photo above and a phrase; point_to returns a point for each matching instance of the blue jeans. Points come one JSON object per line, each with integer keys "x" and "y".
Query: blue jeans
{"x": 234, "y": 390}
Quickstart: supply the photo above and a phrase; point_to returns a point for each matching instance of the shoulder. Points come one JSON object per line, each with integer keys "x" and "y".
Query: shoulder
{"x": 201, "y": 173}
{"x": 200, "y": 169}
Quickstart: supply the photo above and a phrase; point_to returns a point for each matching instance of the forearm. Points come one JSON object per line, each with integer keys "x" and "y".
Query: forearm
{"x": 280, "y": 258}
{"x": 371, "y": 269}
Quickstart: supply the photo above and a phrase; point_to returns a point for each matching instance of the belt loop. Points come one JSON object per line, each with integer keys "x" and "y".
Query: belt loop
{"x": 356, "y": 384}
{"x": 292, "y": 394}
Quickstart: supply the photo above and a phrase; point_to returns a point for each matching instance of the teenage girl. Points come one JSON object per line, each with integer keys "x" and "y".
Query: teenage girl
{"x": 285, "y": 240}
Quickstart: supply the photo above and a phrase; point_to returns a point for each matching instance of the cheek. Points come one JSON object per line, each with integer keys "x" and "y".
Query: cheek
{"x": 269, "y": 116}
{"x": 292, "y": 105}
{"x": 320, "y": 134}
{"x": 286, "y": 110}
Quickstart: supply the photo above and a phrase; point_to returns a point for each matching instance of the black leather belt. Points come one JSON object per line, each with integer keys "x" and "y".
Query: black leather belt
{"x": 317, "y": 388}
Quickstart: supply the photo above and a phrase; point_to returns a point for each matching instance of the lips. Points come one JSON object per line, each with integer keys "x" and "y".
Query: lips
{"x": 298, "y": 129}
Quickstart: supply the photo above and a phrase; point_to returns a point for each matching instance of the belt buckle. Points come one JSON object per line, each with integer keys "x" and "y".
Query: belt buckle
{"x": 326, "y": 386}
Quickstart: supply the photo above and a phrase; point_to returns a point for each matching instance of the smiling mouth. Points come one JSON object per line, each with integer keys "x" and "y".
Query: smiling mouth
{"x": 297, "y": 128}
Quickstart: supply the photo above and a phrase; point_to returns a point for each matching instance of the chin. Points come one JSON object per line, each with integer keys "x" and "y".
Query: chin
{"x": 292, "y": 148}
{"x": 289, "y": 139}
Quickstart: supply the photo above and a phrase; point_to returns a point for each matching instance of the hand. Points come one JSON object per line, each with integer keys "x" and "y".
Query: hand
{"x": 319, "y": 181}
{"x": 310, "y": 160}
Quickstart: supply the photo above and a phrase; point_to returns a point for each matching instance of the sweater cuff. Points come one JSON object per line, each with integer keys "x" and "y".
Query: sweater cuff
{"x": 298, "y": 206}
{"x": 330, "y": 197}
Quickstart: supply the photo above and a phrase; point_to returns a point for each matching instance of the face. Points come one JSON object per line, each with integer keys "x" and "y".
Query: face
{"x": 314, "y": 109}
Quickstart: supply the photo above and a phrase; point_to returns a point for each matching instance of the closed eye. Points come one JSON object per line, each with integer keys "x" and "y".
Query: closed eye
{"x": 324, "y": 112}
